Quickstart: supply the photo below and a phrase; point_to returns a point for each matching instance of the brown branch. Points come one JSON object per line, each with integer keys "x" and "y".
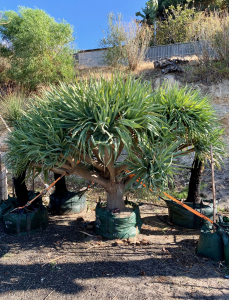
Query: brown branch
{"x": 5, "y": 23}
{"x": 109, "y": 162}
{"x": 79, "y": 170}
{"x": 82, "y": 171}
{"x": 55, "y": 170}
{"x": 96, "y": 154}
{"x": 181, "y": 147}
{"x": 120, "y": 169}
{"x": 185, "y": 152}
{"x": 85, "y": 157}
{"x": 99, "y": 166}
{"x": 120, "y": 149}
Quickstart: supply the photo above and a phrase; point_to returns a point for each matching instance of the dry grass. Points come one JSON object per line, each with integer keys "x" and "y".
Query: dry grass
{"x": 83, "y": 72}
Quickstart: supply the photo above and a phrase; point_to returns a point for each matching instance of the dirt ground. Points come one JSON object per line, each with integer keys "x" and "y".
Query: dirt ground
{"x": 64, "y": 263}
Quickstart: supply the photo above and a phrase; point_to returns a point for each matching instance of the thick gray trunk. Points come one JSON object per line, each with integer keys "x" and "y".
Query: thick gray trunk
{"x": 115, "y": 199}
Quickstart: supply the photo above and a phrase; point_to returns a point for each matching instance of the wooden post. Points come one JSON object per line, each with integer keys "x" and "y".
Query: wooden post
{"x": 213, "y": 187}
{"x": 7, "y": 127}
{"x": 33, "y": 179}
{"x": 3, "y": 180}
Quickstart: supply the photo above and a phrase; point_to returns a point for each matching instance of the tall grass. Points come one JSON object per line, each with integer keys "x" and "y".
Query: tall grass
{"x": 12, "y": 105}
{"x": 212, "y": 30}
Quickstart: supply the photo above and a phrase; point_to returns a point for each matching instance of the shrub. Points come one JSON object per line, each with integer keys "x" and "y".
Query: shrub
{"x": 126, "y": 43}
{"x": 39, "y": 48}
{"x": 175, "y": 27}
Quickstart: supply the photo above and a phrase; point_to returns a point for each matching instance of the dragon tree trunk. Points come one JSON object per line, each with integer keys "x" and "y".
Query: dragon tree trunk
{"x": 195, "y": 181}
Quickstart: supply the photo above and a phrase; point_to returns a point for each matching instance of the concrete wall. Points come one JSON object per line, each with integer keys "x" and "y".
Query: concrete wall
{"x": 92, "y": 58}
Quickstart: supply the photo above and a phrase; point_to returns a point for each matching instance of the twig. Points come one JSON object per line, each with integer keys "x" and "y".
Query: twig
{"x": 54, "y": 260}
{"x": 48, "y": 295}
{"x": 91, "y": 247}
{"x": 213, "y": 187}
{"x": 4, "y": 122}
{"x": 86, "y": 233}
{"x": 168, "y": 230}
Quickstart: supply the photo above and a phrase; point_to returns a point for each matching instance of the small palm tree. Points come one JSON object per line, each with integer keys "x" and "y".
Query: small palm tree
{"x": 106, "y": 131}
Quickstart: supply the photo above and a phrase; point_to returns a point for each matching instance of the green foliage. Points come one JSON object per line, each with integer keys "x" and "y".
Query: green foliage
{"x": 39, "y": 48}
{"x": 149, "y": 12}
{"x": 76, "y": 119}
{"x": 95, "y": 119}
{"x": 12, "y": 106}
{"x": 175, "y": 28}
{"x": 113, "y": 40}
{"x": 126, "y": 43}
{"x": 199, "y": 4}
{"x": 195, "y": 121}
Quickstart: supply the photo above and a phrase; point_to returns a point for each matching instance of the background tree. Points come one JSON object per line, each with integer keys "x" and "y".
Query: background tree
{"x": 113, "y": 40}
{"x": 39, "y": 49}
{"x": 175, "y": 26}
{"x": 149, "y": 13}
{"x": 95, "y": 121}
{"x": 125, "y": 43}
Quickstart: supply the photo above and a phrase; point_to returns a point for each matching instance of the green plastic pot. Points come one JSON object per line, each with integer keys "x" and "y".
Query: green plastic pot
{"x": 67, "y": 202}
{"x": 111, "y": 226}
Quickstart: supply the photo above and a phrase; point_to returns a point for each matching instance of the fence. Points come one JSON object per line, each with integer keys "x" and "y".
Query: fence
{"x": 94, "y": 58}
{"x": 168, "y": 51}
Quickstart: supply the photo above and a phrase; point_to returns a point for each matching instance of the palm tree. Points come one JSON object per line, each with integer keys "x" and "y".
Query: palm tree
{"x": 106, "y": 131}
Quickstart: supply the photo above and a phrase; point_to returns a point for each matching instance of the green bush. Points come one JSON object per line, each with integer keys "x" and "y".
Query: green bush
{"x": 39, "y": 49}
{"x": 175, "y": 28}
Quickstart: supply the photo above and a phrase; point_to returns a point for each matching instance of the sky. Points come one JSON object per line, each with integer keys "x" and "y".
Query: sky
{"x": 88, "y": 17}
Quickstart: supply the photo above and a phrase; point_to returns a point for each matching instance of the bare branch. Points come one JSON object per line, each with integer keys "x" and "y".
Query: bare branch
{"x": 79, "y": 170}
{"x": 83, "y": 171}
{"x": 109, "y": 162}
{"x": 120, "y": 169}
{"x": 99, "y": 166}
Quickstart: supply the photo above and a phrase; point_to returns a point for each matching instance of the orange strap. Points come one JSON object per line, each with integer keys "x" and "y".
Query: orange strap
{"x": 179, "y": 202}
{"x": 188, "y": 208}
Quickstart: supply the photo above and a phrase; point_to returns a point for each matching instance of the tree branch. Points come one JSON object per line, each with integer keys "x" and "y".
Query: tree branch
{"x": 109, "y": 162}
{"x": 79, "y": 170}
{"x": 99, "y": 166}
{"x": 82, "y": 171}
{"x": 120, "y": 169}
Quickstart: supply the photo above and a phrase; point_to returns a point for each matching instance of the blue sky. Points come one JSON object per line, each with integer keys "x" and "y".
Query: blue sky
{"x": 88, "y": 17}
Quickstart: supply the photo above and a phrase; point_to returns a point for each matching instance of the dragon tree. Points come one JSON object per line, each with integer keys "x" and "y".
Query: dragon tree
{"x": 112, "y": 132}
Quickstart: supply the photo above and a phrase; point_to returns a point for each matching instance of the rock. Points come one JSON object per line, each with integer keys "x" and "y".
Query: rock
{"x": 144, "y": 242}
{"x": 119, "y": 243}
{"x": 168, "y": 65}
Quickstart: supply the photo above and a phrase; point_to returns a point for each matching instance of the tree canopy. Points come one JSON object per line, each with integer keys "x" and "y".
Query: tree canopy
{"x": 38, "y": 48}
